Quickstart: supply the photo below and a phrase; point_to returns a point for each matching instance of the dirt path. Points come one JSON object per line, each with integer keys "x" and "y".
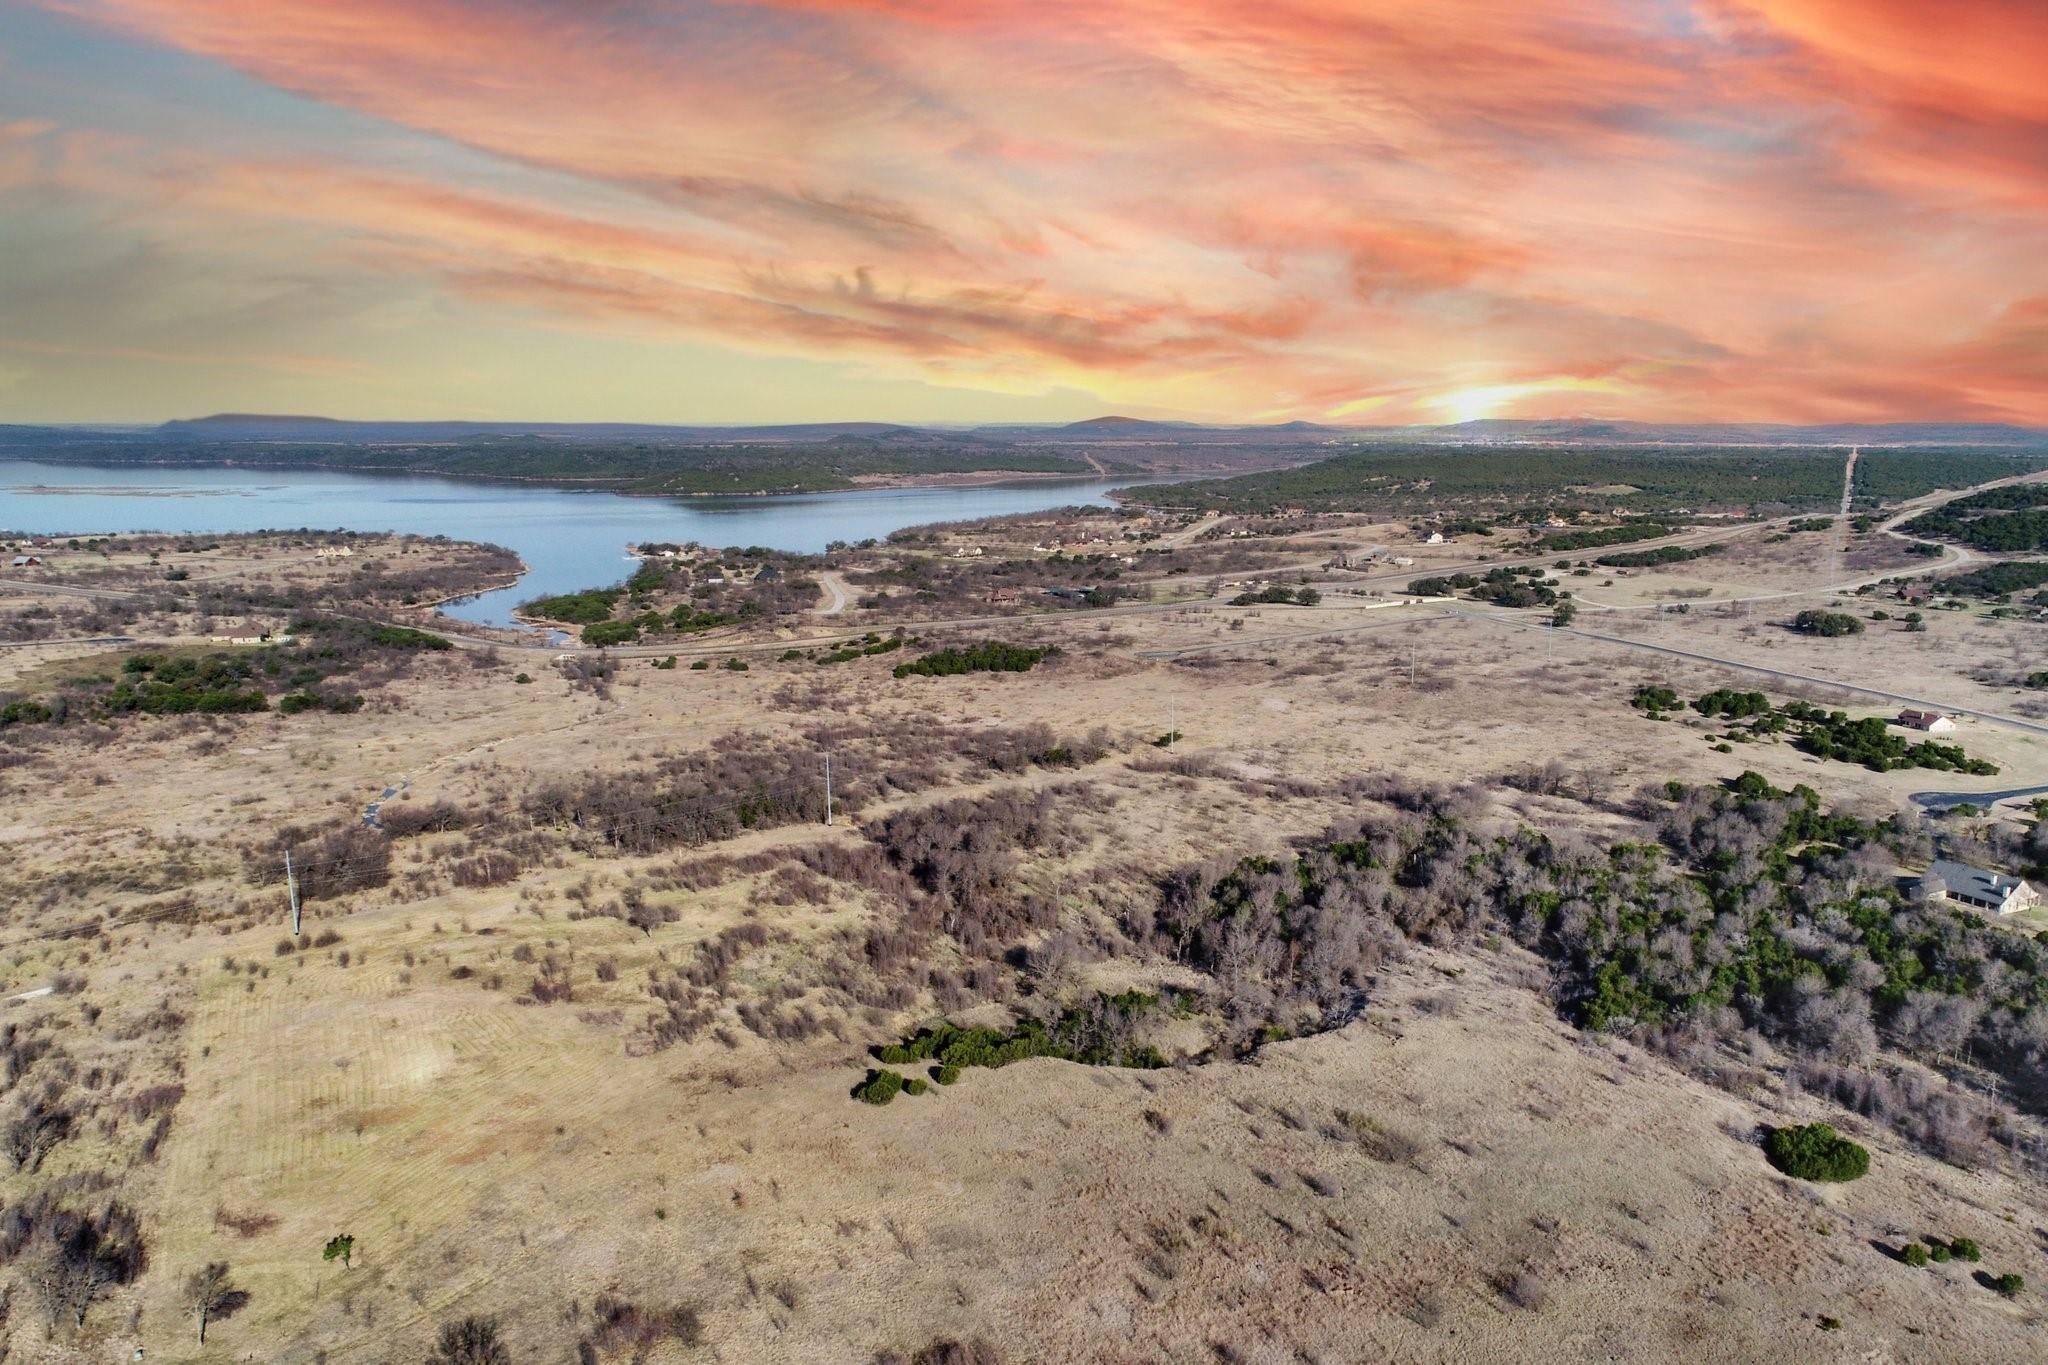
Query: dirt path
{"x": 1839, "y": 533}
{"x": 835, "y": 592}
{"x": 1187, "y": 535}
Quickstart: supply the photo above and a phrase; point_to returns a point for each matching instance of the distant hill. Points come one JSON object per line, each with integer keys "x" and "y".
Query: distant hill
{"x": 1126, "y": 426}
{"x": 261, "y": 427}
{"x": 1594, "y": 431}
{"x": 1569, "y": 431}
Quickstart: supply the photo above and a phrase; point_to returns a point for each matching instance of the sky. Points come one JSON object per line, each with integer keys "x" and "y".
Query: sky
{"x": 954, "y": 211}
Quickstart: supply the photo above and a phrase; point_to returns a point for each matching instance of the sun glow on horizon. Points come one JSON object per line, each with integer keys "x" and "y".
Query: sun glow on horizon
{"x": 1478, "y": 403}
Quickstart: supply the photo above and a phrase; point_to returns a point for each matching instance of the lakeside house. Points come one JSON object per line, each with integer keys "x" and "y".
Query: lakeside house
{"x": 1979, "y": 887}
{"x": 1933, "y": 722}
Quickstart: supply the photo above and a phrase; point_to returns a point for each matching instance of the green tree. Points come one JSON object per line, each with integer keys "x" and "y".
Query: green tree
{"x": 1813, "y": 621}
{"x": 1814, "y": 1151}
{"x": 340, "y": 1247}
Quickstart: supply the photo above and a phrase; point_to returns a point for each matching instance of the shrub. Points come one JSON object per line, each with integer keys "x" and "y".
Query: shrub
{"x": 1915, "y": 1255}
{"x": 701, "y": 664}
{"x": 1654, "y": 699}
{"x": 946, "y": 1075}
{"x": 472, "y": 1341}
{"x": 916, "y": 1085}
{"x": 603, "y": 633}
{"x": 879, "y": 1088}
{"x": 1966, "y": 1249}
{"x": 622, "y": 1329}
{"x": 1814, "y": 621}
{"x": 990, "y": 656}
{"x": 579, "y": 608}
{"x": 1938, "y": 1251}
{"x": 2009, "y": 1284}
{"x": 1814, "y": 1151}
{"x": 1277, "y": 595}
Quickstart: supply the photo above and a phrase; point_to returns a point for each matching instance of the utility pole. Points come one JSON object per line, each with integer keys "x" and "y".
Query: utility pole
{"x": 291, "y": 886}
{"x": 828, "y": 789}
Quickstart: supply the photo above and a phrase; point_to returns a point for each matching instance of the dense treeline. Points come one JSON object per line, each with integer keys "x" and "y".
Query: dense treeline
{"x": 1663, "y": 554}
{"x": 2013, "y": 518}
{"x": 1278, "y": 595}
{"x": 621, "y": 465}
{"x": 1895, "y": 475}
{"x": 1755, "y": 914}
{"x": 1996, "y": 580}
{"x": 1396, "y": 480}
{"x": 1624, "y": 534}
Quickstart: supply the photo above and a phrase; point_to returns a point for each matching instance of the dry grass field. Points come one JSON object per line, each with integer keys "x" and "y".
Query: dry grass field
{"x": 464, "y": 1069}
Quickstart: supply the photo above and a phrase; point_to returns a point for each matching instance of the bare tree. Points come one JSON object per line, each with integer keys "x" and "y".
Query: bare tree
{"x": 29, "y": 1137}
{"x": 208, "y": 1290}
{"x": 69, "y": 1259}
{"x": 472, "y": 1341}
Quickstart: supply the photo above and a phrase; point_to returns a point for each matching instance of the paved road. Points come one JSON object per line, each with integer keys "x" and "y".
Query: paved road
{"x": 1950, "y": 800}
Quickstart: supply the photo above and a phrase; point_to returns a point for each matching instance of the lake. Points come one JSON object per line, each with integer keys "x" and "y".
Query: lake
{"x": 569, "y": 539}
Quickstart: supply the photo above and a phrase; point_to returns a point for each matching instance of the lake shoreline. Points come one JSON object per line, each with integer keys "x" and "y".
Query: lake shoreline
{"x": 569, "y": 538}
{"x": 625, "y": 488}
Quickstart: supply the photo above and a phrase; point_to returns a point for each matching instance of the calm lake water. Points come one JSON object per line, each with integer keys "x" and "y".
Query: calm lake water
{"x": 569, "y": 540}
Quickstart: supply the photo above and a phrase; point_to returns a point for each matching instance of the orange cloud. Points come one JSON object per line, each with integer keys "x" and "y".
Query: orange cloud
{"x": 1737, "y": 208}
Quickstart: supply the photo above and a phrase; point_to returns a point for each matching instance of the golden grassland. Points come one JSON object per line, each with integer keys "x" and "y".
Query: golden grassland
{"x": 1458, "y": 1175}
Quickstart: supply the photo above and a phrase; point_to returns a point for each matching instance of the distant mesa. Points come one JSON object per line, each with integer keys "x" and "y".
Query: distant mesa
{"x": 1132, "y": 426}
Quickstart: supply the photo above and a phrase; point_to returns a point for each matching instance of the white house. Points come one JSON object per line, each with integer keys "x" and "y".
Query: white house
{"x": 1933, "y": 722}
{"x": 1433, "y": 538}
{"x": 1979, "y": 887}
